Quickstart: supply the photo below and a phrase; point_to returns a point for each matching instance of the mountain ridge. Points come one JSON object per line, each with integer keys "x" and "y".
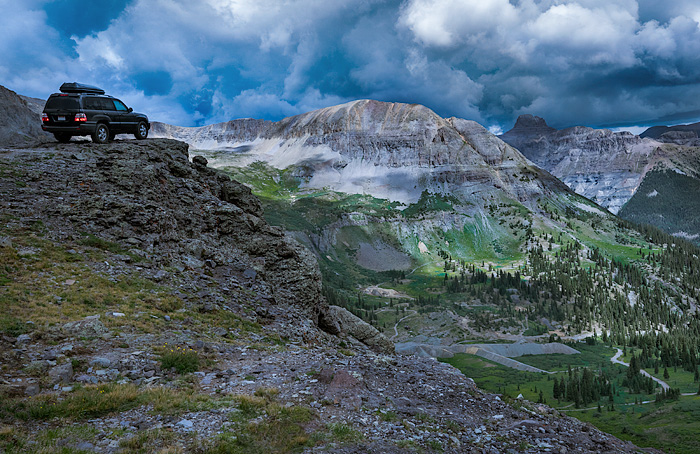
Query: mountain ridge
{"x": 413, "y": 145}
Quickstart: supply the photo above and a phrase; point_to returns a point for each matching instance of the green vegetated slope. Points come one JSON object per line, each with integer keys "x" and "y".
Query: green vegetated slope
{"x": 668, "y": 200}
{"x": 461, "y": 273}
{"x": 569, "y": 263}
{"x": 611, "y": 405}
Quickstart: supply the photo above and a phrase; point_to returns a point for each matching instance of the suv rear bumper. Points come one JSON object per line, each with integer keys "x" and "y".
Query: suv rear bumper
{"x": 79, "y": 130}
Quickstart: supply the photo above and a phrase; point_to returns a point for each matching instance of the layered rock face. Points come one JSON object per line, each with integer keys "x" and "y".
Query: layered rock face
{"x": 20, "y": 124}
{"x": 599, "y": 164}
{"x": 388, "y": 150}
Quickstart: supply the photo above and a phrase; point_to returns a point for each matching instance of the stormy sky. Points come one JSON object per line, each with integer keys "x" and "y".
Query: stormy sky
{"x": 601, "y": 63}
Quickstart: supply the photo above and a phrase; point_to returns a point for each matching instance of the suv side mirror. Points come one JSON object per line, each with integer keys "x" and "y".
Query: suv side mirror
{"x": 130, "y": 110}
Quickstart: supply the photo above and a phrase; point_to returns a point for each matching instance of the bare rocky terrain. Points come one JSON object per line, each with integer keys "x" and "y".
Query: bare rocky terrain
{"x": 115, "y": 256}
{"x": 20, "y": 119}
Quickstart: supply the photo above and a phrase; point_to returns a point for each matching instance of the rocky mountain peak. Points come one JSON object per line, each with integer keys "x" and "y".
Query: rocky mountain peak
{"x": 531, "y": 122}
{"x": 600, "y": 164}
{"x": 393, "y": 151}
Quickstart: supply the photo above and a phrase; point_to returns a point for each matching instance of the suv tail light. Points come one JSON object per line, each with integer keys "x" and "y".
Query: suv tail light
{"x": 44, "y": 117}
{"x": 80, "y": 117}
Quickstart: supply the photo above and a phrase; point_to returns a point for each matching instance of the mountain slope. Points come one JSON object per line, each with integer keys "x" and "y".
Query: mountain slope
{"x": 610, "y": 167}
{"x": 147, "y": 306}
{"x": 395, "y": 178}
{"x": 19, "y": 123}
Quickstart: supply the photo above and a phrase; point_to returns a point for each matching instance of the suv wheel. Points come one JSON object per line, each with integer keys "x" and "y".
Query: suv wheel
{"x": 101, "y": 134}
{"x": 62, "y": 137}
{"x": 141, "y": 131}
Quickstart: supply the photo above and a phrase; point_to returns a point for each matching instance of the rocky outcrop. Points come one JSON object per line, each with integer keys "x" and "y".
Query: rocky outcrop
{"x": 149, "y": 198}
{"x": 361, "y": 330}
{"x": 19, "y": 124}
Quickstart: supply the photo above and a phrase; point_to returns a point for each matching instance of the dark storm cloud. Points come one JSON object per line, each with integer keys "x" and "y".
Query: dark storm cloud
{"x": 80, "y": 18}
{"x": 594, "y": 62}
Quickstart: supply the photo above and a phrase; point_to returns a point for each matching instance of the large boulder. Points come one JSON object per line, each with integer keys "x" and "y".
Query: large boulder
{"x": 364, "y": 332}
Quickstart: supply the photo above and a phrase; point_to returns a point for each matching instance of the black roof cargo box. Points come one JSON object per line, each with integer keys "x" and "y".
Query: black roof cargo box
{"x": 75, "y": 87}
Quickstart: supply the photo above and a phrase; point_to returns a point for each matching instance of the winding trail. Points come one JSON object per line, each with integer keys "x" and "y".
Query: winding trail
{"x": 421, "y": 266}
{"x": 396, "y": 326}
{"x": 616, "y": 360}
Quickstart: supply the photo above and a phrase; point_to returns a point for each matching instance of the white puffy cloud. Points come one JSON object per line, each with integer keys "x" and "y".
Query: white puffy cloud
{"x": 447, "y": 23}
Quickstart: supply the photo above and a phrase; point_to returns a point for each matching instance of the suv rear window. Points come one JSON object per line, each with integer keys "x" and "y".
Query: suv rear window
{"x": 94, "y": 103}
{"x": 62, "y": 102}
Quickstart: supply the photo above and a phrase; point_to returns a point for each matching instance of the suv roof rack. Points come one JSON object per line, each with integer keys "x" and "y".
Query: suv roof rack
{"x": 75, "y": 87}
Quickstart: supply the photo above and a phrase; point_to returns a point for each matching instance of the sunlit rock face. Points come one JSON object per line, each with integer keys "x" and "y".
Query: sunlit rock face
{"x": 392, "y": 151}
{"x": 599, "y": 164}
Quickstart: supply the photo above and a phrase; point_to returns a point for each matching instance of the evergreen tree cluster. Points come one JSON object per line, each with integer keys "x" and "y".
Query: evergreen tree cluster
{"x": 581, "y": 386}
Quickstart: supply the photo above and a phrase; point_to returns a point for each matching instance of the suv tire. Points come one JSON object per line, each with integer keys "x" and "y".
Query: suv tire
{"x": 101, "y": 134}
{"x": 141, "y": 131}
{"x": 62, "y": 137}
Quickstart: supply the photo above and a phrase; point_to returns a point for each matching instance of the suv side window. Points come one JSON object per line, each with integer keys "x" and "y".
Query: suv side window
{"x": 92, "y": 103}
{"x": 107, "y": 104}
{"x": 120, "y": 105}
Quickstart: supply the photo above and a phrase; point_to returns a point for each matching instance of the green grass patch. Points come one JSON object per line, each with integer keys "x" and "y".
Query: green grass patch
{"x": 97, "y": 401}
{"x": 99, "y": 243}
{"x": 504, "y": 380}
{"x": 591, "y": 356}
{"x": 183, "y": 359}
{"x": 672, "y": 427}
{"x": 265, "y": 426}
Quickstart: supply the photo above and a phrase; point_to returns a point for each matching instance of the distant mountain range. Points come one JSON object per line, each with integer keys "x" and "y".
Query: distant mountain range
{"x": 387, "y": 150}
{"x": 652, "y": 178}
{"x": 680, "y": 134}
{"x": 382, "y": 186}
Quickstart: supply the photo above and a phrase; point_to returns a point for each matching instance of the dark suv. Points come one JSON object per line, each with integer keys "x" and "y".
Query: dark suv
{"x": 84, "y": 110}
